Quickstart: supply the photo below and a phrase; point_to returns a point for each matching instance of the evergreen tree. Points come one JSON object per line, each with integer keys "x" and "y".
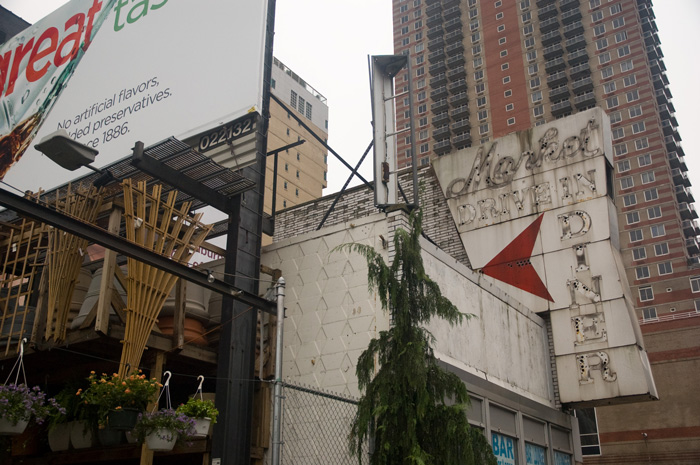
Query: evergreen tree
{"x": 412, "y": 409}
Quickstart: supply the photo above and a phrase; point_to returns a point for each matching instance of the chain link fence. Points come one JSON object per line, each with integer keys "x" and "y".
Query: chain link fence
{"x": 315, "y": 427}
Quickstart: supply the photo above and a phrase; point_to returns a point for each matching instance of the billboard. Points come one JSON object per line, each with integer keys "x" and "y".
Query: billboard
{"x": 535, "y": 213}
{"x": 116, "y": 72}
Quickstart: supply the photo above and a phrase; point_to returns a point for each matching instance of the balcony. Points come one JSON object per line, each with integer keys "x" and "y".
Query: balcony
{"x": 451, "y": 25}
{"x": 648, "y": 25}
{"x": 433, "y": 9}
{"x": 459, "y": 99}
{"x": 438, "y": 93}
{"x": 440, "y": 118}
{"x": 582, "y": 85}
{"x": 582, "y": 70}
{"x": 584, "y": 100}
{"x": 668, "y": 127}
{"x": 442, "y": 147}
{"x": 551, "y": 38}
{"x": 671, "y": 144}
{"x": 437, "y": 68}
{"x": 566, "y": 5}
{"x": 438, "y": 80}
{"x": 450, "y": 3}
{"x": 457, "y": 73}
{"x": 554, "y": 65}
{"x": 657, "y": 66}
{"x": 651, "y": 38}
{"x": 571, "y": 16}
{"x": 462, "y": 140}
{"x": 434, "y": 32}
{"x": 451, "y": 13}
{"x": 553, "y": 51}
{"x": 661, "y": 97}
{"x": 461, "y": 112}
{"x": 456, "y": 61}
{"x": 684, "y": 194}
{"x": 461, "y": 125}
{"x": 458, "y": 86}
{"x": 549, "y": 25}
{"x": 434, "y": 20}
{"x": 436, "y": 43}
{"x": 550, "y": 11}
{"x": 689, "y": 228}
{"x": 457, "y": 47}
{"x": 442, "y": 131}
{"x": 680, "y": 178}
{"x": 691, "y": 244}
{"x": 687, "y": 211}
{"x": 454, "y": 37}
{"x": 439, "y": 106}
{"x": 559, "y": 93}
{"x": 570, "y": 30}
{"x": 544, "y": 3}
{"x": 556, "y": 80}
{"x": 436, "y": 55}
{"x": 693, "y": 262}
{"x": 579, "y": 56}
{"x": 653, "y": 52}
{"x": 664, "y": 111}
{"x": 561, "y": 108}
{"x": 575, "y": 43}
{"x": 432, "y": 2}
{"x": 676, "y": 161}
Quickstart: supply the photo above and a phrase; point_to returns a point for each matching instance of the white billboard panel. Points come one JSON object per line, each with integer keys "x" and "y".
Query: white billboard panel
{"x": 154, "y": 69}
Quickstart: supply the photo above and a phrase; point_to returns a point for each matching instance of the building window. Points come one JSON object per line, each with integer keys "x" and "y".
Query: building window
{"x": 501, "y": 41}
{"x": 501, "y": 27}
{"x": 649, "y": 314}
{"x": 640, "y": 253}
{"x": 612, "y": 102}
{"x": 658, "y": 230}
{"x": 646, "y": 294}
{"x": 511, "y": 121}
{"x": 525, "y": 4}
{"x": 532, "y": 69}
{"x": 284, "y": 203}
{"x": 420, "y": 48}
{"x": 648, "y": 177}
{"x": 642, "y": 272}
{"x": 632, "y": 95}
{"x": 506, "y": 79}
{"x": 629, "y": 200}
{"x": 480, "y": 101}
{"x": 308, "y": 110}
{"x": 618, "y": 22}
{"x": 424, "y": 148}
{"x": 479, "y": 88}
{"x": 665, "y": 268}
{"x": 617, "y": 8}
{"x": 623, "y": 51}
{"x": 620, "y": 37}
{"x": 297, "y": 173}
{"x": 484, "y": 128}
{"x": 599, "y": 29}
{"x": 532, "y": 55}
{"x": 504, "y": 66}
{"x": 474, "y": 25}
{"x": 482, "y": 114}
{"x": 601, "y": 43}
{"x": 626, "y": 182}
{"x": 420, "y": 59}
{"x": 420, "y": 71}
{"x": 642, "y": 143}
{"x": 695, "y": 284}
{"x": 479, "y": 75}
{"x": 498, "y": 3}
{"x": 604, "y": 58}
{"x": 508, "y": 93}
{"x": 623, "y": 166}
{"x": 526, "y": 17}
{"x": 627, "y": 65}
{"x": 636, "y": 235}
{"x": 635, "y": 111}
{"x": 606, "y": 72}
{"x": 422, "y": 108}
{"x": 529, "y": 42}
{"x": 596, "y": 16}
{"x": 537, "y": 96}
{"x": 609, "y": 87}
{"x": 615, "y": 117}
{"x": 509, "y": 107}
{"x": 297, "y": 192}
{"x": 661, "y": 249}
{"x": 618, "y": 133}
{"x": 293, "y": 99}
{"x": 632, "y": 217}
{"x": 534, "y": 82}
{"x": 538, "y": 111}
{"x": 644, "y": 160}
{"x": 527, "y": 30}
{"x": 620, "y": 149}
{"x": 478, "y": 61}
{"x": 654, "y": 212}
{"x": 476, "y": 49}
{"x": 588, "y": 424}
{"x": 651, "y": 194}
{"x": 404, "y": 30}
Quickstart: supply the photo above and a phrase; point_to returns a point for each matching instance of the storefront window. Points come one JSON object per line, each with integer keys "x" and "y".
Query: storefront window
{"x": 535, "y": 455}
{"x": 561, "y": 459}
{"x": 504, "y": 448}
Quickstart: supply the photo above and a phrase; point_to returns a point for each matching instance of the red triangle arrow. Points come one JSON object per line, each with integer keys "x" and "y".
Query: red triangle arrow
{"x": 512, "y": 264}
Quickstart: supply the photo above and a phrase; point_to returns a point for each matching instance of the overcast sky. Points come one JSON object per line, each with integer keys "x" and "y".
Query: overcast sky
{"x": 327, "y": 42}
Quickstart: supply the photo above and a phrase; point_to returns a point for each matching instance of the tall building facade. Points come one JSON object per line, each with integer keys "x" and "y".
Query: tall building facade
{"x": 484, "y": 68}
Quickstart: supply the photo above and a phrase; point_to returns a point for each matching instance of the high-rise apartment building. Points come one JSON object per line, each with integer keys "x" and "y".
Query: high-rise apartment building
{"x": 484, "y": 68}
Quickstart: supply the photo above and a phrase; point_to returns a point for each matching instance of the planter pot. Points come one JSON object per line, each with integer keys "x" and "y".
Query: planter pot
{"x": 161, "y": 440}
{"x": 8, "y": 429}
{"x": 81, "y": 435}
{"x": 201, "y": 427}
{"x": 193, "y": 331}
{"x": 123, "y": 419}
{"x": 59, "y": 437}
{"x": 109, "y": 436}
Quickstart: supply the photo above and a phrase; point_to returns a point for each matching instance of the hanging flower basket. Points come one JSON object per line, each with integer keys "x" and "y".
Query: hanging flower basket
{"x": 203, "y": 412}
{"x": 161, "y": 440}
{"x": 123, "y": 419}
{"x": 59, "y": 437}
{"x": 82, "y": 435}
{"x": 8, "y": 428}
{"x": 201, "y": 427}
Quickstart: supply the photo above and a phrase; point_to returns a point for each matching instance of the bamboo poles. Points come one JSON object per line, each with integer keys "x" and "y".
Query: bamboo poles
{"x": 20, "y": 252}
{"x": 65, "y": 256}
{"x": 157, "y": 225}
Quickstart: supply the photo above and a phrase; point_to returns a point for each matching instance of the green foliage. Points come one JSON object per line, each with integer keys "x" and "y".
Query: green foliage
{"x": 110, "y": 392}
{"x": 197, "y": 408}
{"x": 414, "y": 410}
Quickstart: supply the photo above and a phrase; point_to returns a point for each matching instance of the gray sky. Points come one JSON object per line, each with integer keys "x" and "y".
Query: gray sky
{"x": 326, "y": 42}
